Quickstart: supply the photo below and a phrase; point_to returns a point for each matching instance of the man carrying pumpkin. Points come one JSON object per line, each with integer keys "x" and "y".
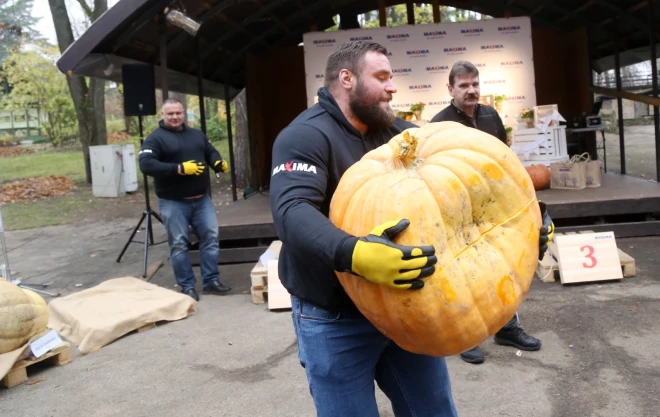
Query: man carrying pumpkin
{"x": 341, "y": 351}
{"x": 465, "y": 109}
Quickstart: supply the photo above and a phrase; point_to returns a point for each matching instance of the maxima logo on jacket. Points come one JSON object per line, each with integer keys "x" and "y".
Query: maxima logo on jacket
{"x": 294, "y": 166}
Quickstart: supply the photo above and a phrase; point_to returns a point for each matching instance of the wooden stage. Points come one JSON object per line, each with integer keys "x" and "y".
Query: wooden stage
{"x": 626, "y": 205}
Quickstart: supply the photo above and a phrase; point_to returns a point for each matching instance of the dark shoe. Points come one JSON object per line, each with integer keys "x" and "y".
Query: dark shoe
{"x": 517, "y": 337}
{"x": 216, "y": 288}
{"x": 474, "y": 355}
{"x": 191, "y": 292}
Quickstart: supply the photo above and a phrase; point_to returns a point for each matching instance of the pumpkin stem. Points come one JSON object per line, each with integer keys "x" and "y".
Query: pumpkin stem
{"x": 405, "y": 151}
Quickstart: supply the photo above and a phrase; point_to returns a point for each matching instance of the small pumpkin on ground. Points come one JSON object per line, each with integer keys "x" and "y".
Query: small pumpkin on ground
{"x": 540, "y": 175}
{"x": 467, "y": 194}
{"x": 23, "y": 314}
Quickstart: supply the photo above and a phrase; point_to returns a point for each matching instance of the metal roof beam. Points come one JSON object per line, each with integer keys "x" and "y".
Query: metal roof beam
{"x": 580, "y": 9}
{"x": 204, "y": 17}
{"x": 253, "y": 17}
{"x": 291, "y": 19}
{"x": 138, "y": 23}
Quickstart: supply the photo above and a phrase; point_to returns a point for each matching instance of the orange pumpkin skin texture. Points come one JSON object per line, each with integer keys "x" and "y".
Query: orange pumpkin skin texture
{"x": 467, "y": 194}
{"x": 540, "y": 175}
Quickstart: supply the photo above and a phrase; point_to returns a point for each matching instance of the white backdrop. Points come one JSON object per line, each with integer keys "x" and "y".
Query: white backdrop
{"x": 422, "y": 55}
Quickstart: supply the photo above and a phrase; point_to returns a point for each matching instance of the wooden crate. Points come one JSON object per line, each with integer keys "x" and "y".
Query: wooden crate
{"x": 18, "y": 374}
{"x": 549, "y": 263}
{"x": 554, "y": 149}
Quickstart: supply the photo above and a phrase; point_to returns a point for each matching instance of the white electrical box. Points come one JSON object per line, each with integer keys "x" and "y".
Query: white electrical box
{"x": 107, "y": 169}
{"x": 130, "y": 168}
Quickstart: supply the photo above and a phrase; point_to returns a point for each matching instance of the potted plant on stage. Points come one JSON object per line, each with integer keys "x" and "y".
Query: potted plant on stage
{"x": 528, "y": 116}
{"x": 417, "y": 110}
{"x": 498, "y": 101}
{"x": 509, "y": 135}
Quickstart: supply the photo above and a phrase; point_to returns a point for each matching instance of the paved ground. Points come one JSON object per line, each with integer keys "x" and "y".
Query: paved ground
{"x": 600, "y": 355}
{"x": 639, "y": 149}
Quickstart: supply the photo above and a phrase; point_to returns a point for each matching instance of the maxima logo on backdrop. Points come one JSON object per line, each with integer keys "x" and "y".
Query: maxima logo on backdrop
{"x": 418, "y": 53}
{"x": 416, "y": 88}
{"x": 320, "y": 76}
{"x": 515, "y": 98}
{"x": 398, "y": 37}
{"x": 362, "y": 38}
{"x": 325, "y": 42}
{"x": 435, "y": 69}
{"x": 512, "y": 64}
{"x": 492, "y": 48}
{"x": 439, "y": 103}
{"x": 401, "y": 71}
{"x": 402, "y": 105}
{"x": 436, "y": 34}
{"x": 455, "y": 51}
{"x": 494, "y": 82}
{"x": 508, "y": 29}
{"x": 472, "y": 32}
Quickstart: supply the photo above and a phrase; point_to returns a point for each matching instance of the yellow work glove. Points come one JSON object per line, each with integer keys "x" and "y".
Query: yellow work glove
{"x": 378, "y": 259}
{"x": 220, "y": 166}
{"x": 547, "y": 230}
{"x": 192, "y": 167}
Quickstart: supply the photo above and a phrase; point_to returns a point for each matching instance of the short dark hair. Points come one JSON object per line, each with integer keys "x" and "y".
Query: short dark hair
{"x": 462, "y": 68}
{"x": 349, "y": 56}
{"x": 172, "y": 101}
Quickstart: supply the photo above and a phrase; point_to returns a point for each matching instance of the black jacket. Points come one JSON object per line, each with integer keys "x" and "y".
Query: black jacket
{"x": 485, "y": 119}
{"x": 165, "y": 149}
{"x": 309, "y": 157}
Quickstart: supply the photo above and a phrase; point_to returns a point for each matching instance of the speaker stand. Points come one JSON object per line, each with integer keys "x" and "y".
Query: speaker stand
{"x": 146, "y": 215}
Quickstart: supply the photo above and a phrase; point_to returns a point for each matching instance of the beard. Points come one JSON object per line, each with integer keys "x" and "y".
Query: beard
{"x": 368, "y": 109}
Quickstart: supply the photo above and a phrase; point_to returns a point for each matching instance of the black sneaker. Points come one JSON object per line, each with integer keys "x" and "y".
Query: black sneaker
{"x": 474, "y": 356}
{"x": 216, "y": 288}
{"x": 518, "y": 338}
{"x": 191, "y": 292}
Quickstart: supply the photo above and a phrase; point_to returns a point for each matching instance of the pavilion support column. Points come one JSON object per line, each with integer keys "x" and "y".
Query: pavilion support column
{"x": 654, "y": 75}
{"x": 436, "y": 11}
{"x": 382, "y": 13}
{"x": 619, "y": 102}
{"x": 200, "y": 85}
{"x": 230, "y": 139}
{"x": 164, "y": 88}
{"x": 410, "y": 12}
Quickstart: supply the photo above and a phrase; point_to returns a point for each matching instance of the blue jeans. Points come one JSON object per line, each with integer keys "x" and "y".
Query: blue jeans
{"x": 178, "y": 216}
{"x": 344, "y": 353}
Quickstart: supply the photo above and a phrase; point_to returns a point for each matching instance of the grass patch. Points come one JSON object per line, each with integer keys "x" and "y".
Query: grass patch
{"x": 67, "y": 163}
{"x": 49, "y": 211}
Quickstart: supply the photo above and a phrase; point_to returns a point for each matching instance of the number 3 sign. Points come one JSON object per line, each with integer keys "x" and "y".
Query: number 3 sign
{"x": 588, "y": 257}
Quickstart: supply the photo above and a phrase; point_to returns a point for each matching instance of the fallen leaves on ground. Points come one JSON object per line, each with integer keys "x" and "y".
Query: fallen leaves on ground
{"x": 36, "y": 188}
{"x": 6, "y": 151}
{"x": 118, "y": 137}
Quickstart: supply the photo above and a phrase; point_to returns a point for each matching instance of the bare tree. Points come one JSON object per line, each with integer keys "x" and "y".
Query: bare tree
{"x": 242, "y": 143}
{"x": 88, "y": 99}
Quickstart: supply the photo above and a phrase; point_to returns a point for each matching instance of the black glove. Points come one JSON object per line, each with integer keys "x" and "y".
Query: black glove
{"x": 378, "y": 259}
{"x": 547, "y": 230}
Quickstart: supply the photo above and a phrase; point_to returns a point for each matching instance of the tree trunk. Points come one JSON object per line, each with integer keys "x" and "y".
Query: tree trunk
{"x": 241, "y": 143}
{"x": 89, "y": 104}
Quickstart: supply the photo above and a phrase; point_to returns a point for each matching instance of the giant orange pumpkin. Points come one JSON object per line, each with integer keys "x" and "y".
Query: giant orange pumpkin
{"x": 467, "y": 194}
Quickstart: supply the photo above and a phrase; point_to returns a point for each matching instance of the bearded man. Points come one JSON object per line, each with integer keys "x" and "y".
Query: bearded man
{"x": 341, "y": 351}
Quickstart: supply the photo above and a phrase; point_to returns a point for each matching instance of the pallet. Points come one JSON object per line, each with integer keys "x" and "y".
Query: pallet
{"x": 549, "y": 262}
{"x": 18, "y": 374}
{"x": 259, "y": 294}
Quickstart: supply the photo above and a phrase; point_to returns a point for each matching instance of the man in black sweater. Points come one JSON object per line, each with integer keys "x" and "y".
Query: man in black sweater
{"x": 177, "y": 156}
{"x": 465, "y": 109}
{"x": 341, "y": 351}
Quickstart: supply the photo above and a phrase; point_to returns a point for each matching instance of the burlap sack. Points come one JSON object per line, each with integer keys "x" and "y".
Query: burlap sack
{"x": 96, "y": 317}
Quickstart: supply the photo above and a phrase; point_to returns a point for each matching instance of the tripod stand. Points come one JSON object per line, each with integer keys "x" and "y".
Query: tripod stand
{"x": 146, "y": 215}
